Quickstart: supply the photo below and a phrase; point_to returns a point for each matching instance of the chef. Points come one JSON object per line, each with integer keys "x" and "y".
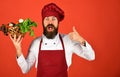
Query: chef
{"x": 52, "y": 52}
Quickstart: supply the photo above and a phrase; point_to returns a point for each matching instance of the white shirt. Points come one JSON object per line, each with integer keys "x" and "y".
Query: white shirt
{"x": 71, "y": 47}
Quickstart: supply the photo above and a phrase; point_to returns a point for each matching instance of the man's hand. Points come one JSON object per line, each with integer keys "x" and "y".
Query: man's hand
{"x": 17, "y": 44}
{"x": 76, "y": 37}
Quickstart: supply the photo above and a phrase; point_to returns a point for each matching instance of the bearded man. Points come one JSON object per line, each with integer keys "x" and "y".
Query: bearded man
{"x": 52, "y": 52}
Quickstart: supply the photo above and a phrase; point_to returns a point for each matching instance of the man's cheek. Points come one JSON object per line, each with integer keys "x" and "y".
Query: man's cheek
{"x": 45, "y": 25}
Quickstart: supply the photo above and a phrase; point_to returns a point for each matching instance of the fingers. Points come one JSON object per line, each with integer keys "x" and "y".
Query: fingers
{"x": 15, "y": 39}
{"x": 71, "y": 35}
{"x": 19, "y": 39}
{"x": 11, "y": 37}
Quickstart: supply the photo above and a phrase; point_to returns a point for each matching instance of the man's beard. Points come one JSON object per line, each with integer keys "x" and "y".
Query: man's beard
{"x": 50, "y": 34}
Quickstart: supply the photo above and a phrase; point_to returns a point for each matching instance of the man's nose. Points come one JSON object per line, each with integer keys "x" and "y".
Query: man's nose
{"x": 50, "y": 22}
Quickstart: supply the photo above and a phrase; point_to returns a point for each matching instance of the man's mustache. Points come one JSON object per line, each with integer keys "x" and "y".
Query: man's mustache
{"x": 50, "y": 25}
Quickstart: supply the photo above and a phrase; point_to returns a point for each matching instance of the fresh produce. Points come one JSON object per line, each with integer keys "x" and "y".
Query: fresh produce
{"x": 21, "y": 28}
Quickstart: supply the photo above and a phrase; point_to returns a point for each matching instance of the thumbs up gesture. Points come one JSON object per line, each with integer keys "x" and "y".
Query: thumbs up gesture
{"x": 76, "y": 37}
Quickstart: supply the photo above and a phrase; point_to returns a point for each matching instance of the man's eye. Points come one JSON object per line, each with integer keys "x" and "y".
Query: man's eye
{"x": 54, "y": 19}
{"x": 47, "y": 19}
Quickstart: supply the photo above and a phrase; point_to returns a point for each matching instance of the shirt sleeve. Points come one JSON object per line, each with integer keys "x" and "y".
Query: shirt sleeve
{"x": 22, "y": 64}
{"x": 85, "y": 52}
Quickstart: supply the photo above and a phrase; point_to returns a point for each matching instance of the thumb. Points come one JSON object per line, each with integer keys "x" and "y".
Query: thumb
{"x": 74, "y": 30}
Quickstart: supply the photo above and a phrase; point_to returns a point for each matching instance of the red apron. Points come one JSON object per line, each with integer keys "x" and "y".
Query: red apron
{"x": 52, "y": 63}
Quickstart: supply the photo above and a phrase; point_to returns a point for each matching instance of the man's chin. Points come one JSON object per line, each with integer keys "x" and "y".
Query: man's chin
{"x": 50, "y": 35}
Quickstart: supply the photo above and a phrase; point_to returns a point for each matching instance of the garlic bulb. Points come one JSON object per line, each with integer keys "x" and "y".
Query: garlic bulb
{"x": 11, "y": 24}
{"x": 21, "y": 20}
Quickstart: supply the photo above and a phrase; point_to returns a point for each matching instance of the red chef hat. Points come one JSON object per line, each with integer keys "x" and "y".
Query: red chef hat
{"x": 52, "y": 10}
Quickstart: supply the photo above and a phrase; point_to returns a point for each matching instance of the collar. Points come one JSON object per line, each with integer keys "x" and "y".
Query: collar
{"x": 46, "y": 40}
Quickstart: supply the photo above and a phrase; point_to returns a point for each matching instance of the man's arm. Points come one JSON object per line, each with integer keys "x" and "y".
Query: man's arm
{"x": 80, "y": 46}
{"x": 24, "y": 64}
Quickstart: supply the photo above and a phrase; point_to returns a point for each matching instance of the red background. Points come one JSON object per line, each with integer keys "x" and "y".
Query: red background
{"x": 98, "y": 21}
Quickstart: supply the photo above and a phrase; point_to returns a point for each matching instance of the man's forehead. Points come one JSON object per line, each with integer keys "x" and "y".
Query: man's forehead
{"x": 50, "y": 17}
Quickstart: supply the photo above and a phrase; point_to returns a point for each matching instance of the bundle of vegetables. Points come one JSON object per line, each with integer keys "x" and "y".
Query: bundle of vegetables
{"x": 21, "y": 28}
